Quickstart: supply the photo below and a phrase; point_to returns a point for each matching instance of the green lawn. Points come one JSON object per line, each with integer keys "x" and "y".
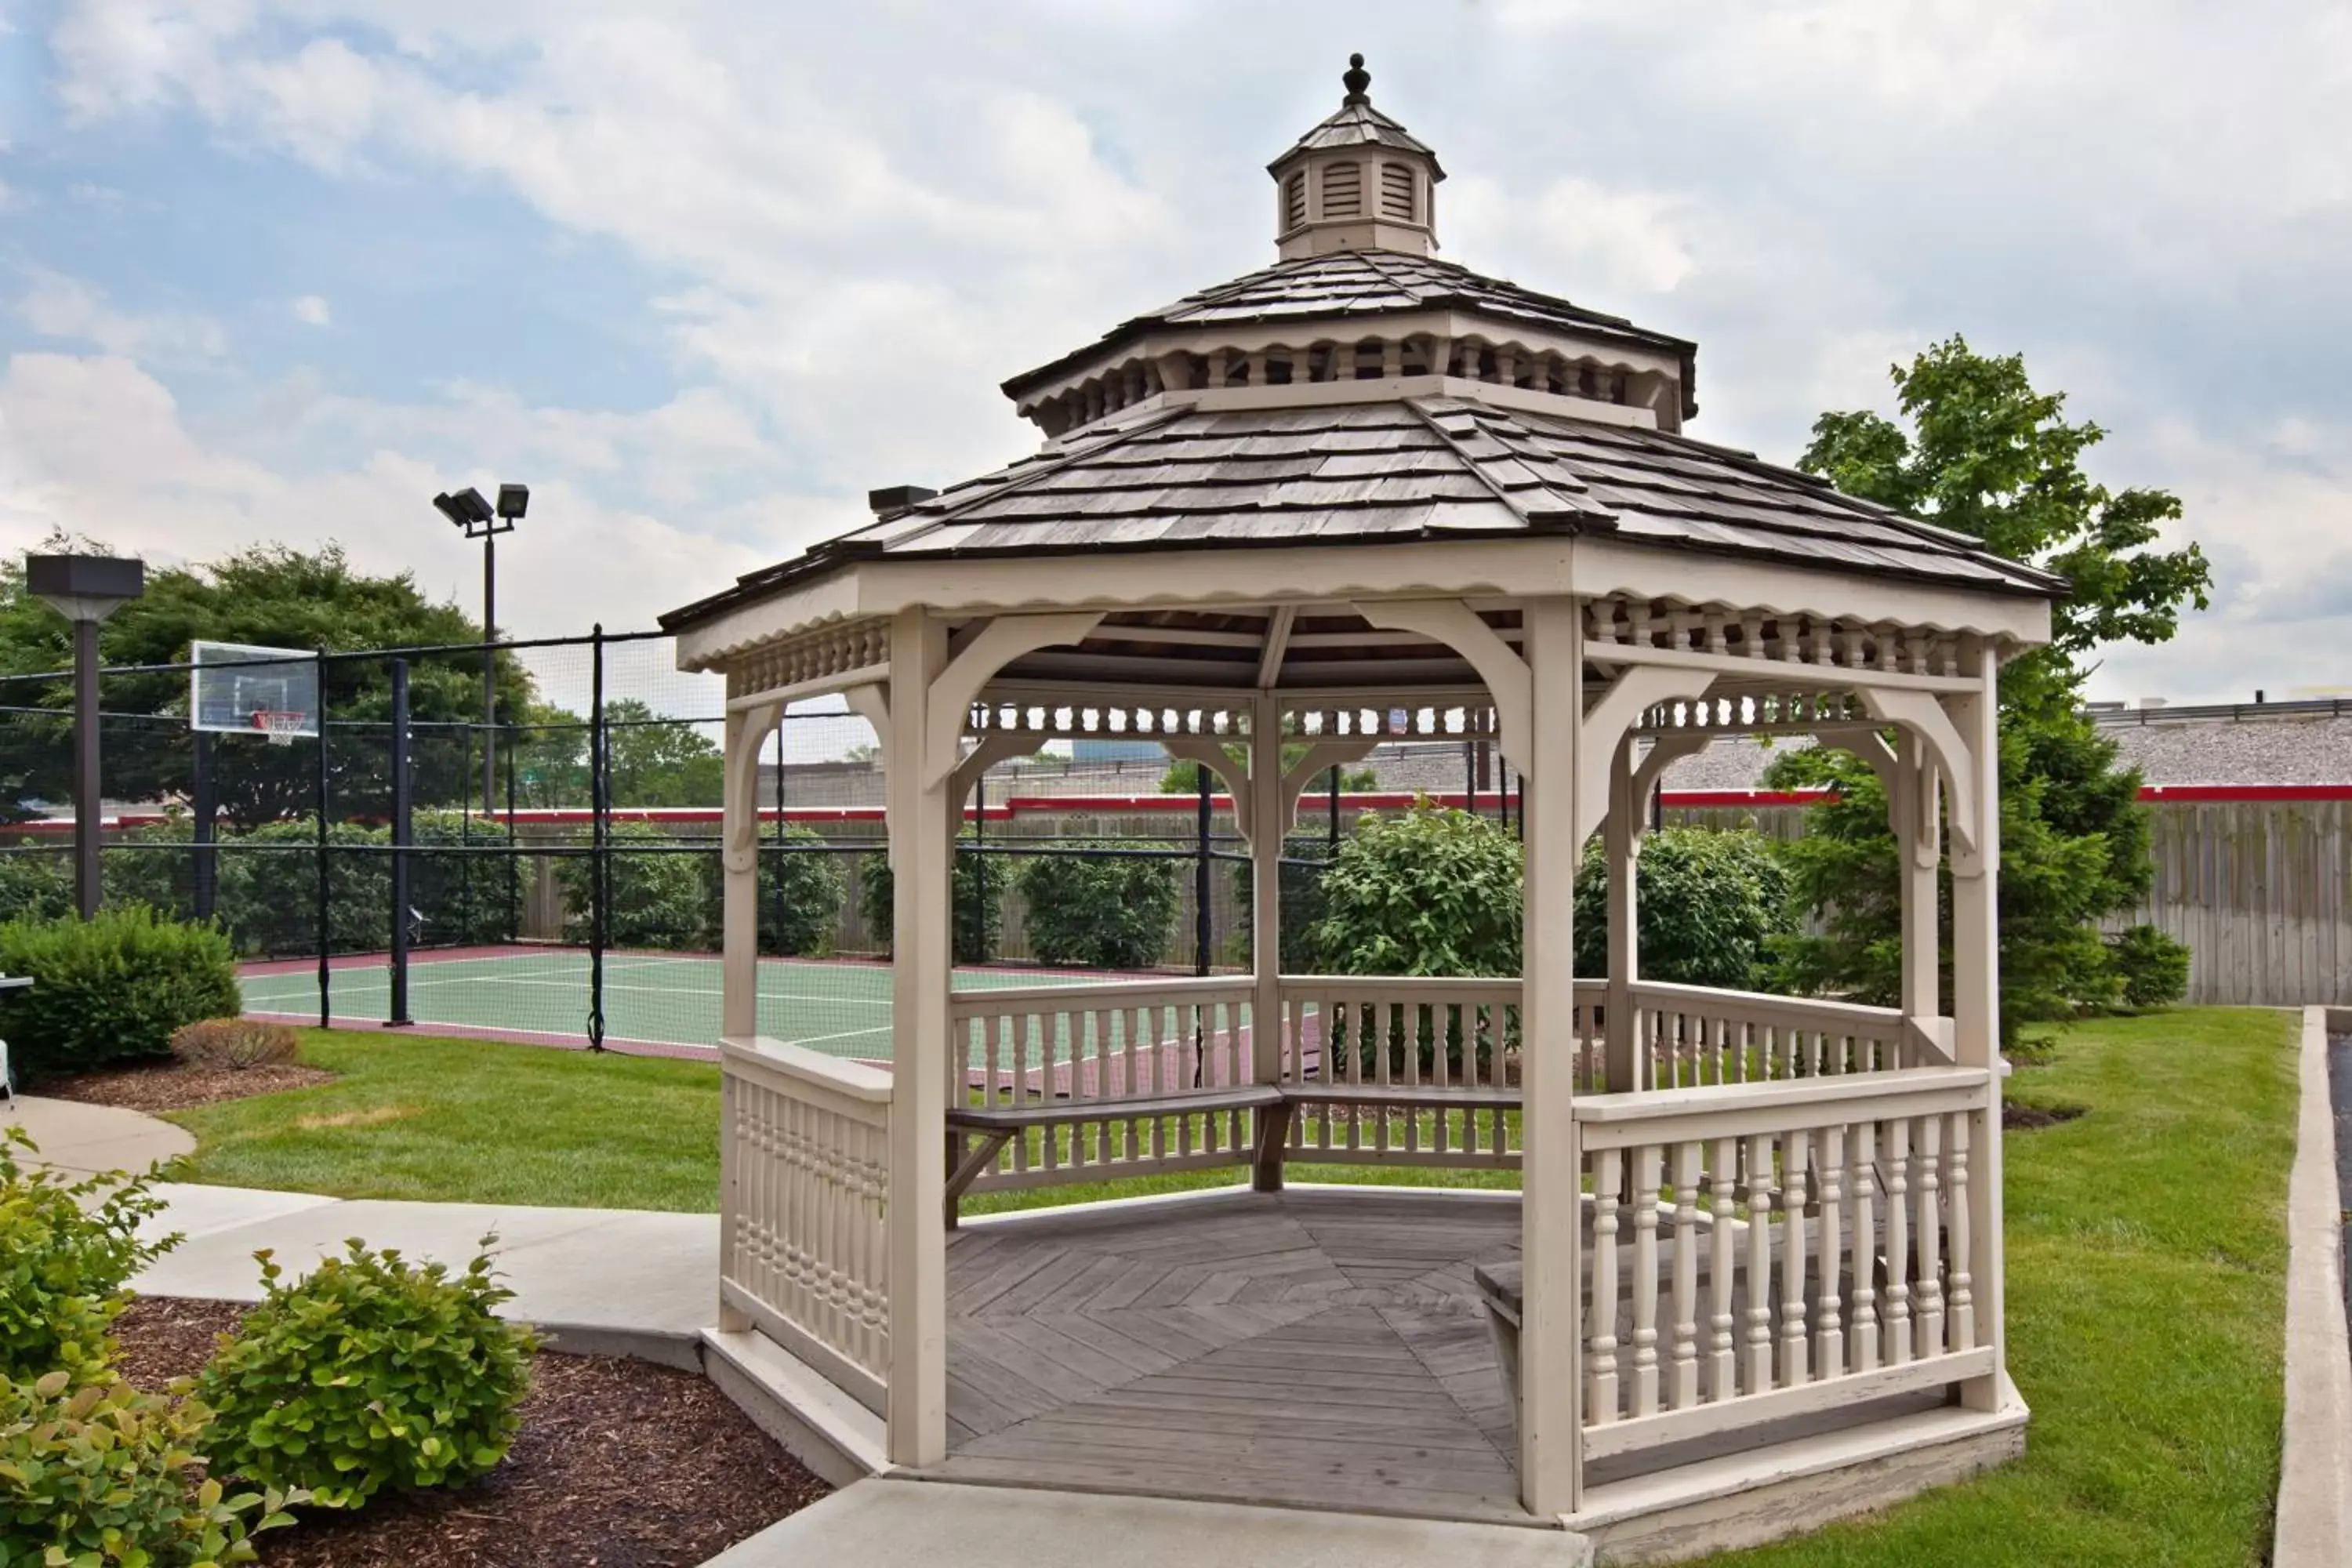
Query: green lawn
{"x": 2147, "y": 1253}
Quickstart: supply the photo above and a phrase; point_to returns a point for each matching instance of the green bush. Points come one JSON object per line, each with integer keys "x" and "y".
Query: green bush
{"x": 1110, "y": 911}
{"x": 103, "y": 1476}
{"x": 1305, "y": 857}
{"x": 1433, "y": 891}
{"x": 35, "y": 884}
{"x": 372, "y": 1372}
{"x": 800, "y": 891}
{"x": 2154, "y": 969}
{"x": 110, "y": 989}
{"x": 1710, "y": 904}
{"x": 154, "y": 864}
{"x": 268, "y": 888}
{"x": 980, "y": 880}
{"x": 466, "y": 898}
{"x": 67, "y": 1248}
{"x": 658, "y": 893}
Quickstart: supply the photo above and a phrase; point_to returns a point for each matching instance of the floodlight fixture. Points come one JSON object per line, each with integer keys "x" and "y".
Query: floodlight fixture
{"x": 85, "y": 589}
{"x": 468, "y": 510}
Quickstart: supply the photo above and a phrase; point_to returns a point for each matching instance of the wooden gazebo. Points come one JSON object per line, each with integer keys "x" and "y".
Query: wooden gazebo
{"x": 1753, "y": 1274}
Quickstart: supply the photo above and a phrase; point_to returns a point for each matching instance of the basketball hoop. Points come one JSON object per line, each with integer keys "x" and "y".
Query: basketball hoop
{"x": 283, "y": 728}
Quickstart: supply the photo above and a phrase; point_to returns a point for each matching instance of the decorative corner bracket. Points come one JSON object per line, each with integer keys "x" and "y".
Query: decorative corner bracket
{"x": 1455, "y": 623}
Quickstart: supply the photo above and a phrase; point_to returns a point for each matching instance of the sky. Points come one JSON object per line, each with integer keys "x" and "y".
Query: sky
{"x": 702, "y": 274}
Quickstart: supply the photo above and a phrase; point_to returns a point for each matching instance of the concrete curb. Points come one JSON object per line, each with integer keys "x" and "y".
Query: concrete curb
{"x": 2315, "y": 1502}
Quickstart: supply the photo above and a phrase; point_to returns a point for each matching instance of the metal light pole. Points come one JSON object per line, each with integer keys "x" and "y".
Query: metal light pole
{"x": 468, "y": 510}
{"x": 85, "y": 589}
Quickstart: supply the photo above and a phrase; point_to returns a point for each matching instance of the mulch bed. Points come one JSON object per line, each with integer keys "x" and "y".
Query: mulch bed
{"x": 174, "y": 1086}
{"x": 2015, "y": 1118}
{"x": 619, "y": 1465}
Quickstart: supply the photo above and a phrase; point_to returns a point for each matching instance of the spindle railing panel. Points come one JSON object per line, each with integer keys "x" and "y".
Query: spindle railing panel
{"x": 803, "y": 1249}
{"x": 1766, "y": 1250}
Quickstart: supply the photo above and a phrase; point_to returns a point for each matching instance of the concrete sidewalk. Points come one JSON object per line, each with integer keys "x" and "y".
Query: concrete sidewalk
{"x": 603, "y": 1280}
{"x": 82, "y": 1139}
{"x": 884, "y": 1523}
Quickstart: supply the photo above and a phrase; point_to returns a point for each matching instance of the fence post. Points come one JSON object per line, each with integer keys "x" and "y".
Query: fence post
{"x": 325, "y": 936}
{"x": 514, "y": 863}
{"x": 600, "y": 838}
{"x": 403, "y": 831}
{"x": 1201, "y": 869}
{"x": 1333, "y": 842}
{"x": 204, "y": 808}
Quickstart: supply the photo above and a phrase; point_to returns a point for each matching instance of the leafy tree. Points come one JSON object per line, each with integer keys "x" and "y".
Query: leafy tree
{"x": 273, "y": 594}
{"x": 1988, "y": 456}
{"x": 652, "y": 759}
{"x": 1708, "y": 904}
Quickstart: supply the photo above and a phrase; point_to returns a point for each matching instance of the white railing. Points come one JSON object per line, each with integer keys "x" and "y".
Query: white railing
{"x": 1762, "y": 1251}
{"x": 1413, "y": 1071}
{"x": 1077, "y": 1047}
{"x": 1692, "y": 1035}
{"x": 803, "y": 1250}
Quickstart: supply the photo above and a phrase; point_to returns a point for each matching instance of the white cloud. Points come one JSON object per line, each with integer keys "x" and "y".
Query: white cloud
{"x": 312, "y": 310}
{"x": 863, "y": 221}
{"x": 60, "y": 307}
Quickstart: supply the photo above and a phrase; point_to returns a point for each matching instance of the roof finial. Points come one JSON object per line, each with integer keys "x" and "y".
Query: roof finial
{"x": 1356, "y": 80}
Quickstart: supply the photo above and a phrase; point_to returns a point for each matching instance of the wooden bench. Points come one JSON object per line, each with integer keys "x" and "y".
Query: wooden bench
{"x": 993, "y": 1127}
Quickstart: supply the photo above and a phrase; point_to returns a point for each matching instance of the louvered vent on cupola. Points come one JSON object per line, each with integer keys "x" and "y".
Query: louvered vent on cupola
{"x": 1343, "y": 190}
{"x": 1396, "y": 192}
{"x": 1294, "y": 200}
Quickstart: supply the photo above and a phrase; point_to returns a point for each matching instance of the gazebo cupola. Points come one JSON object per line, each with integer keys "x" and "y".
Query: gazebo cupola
{"x": 1355, "y": 309}
{"x": 1356, "y": 181}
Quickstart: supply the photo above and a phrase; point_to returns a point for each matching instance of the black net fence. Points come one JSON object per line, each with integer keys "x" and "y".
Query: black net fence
{"x": 554, "y": 875}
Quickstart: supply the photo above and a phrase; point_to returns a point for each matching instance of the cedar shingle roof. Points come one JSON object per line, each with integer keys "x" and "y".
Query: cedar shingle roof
{"x": 1356, "y": 124}
{"x": 1421, "y": 469}
{"x": 1352, "y": 284}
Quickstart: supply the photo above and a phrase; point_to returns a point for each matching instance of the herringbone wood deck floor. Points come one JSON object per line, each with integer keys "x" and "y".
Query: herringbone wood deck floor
{"x": 1304, "y": 1353}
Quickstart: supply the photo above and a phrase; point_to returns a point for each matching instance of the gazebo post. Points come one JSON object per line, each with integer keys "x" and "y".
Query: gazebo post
{"x": 1977, "y": 1302}
{"x": 746, "y": 731}
{"x": 920, "y": 974}
{"x": 1622, "y": 838}
{"x": 1919, "y": 852}
{"x": 1270, "y": 813}
{"x": 1551, "y": 1221}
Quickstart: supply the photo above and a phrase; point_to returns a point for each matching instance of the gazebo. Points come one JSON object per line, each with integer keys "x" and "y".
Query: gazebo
{"x": 1752, "y": 1277}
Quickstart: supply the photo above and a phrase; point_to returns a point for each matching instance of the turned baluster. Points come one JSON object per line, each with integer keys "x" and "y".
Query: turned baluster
{"x": 1759, "y": 1264}
{"x": 1723, "y": 1367}
{"x": 1646, "y": 1177}
{"x": 1899, "y": 1241}
{"x": 1929, "y": 1314}
{"x": 1963, "y": 1296}
{"x": 1682, "y": 1379}
{"x": 1601, "y": 1384}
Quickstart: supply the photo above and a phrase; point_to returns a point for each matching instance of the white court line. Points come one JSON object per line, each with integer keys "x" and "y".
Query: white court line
{"x": 374, "y": 980}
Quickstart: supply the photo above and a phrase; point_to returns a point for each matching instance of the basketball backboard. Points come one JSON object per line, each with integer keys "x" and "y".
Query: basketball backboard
{"x": 237, "y": 687}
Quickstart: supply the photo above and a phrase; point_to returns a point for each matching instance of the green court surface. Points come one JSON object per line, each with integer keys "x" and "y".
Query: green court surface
{"x": 664, "y": 1001}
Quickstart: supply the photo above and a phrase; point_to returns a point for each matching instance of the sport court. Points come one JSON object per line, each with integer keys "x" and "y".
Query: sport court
{"x": 665, "y": 1003}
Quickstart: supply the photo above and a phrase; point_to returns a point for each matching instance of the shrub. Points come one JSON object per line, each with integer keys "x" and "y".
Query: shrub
{"x": 978, "y": 919}
{"x": 1710, "y": 904}
{"x": 1305, "y": 857}
{"x": 101, "y": 1474}
{"x": 35, "y": 884}
{"x": 269, "y": 888}
{"x": 2153, "y": 968}
{"x": 465, "y": 898}
{"x": 154, "y": 864}
{"x": 67, "y": 1248}
{"x": 658, "y": 891}
{"x": 1433, "y": 891}
{"x": 112, "y": 988}
{"x": 1107, "y": 912}
{"x": 235, "y": 1044}
{"x": 800, "y": 896}
{"x": 372, "y": 1372}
